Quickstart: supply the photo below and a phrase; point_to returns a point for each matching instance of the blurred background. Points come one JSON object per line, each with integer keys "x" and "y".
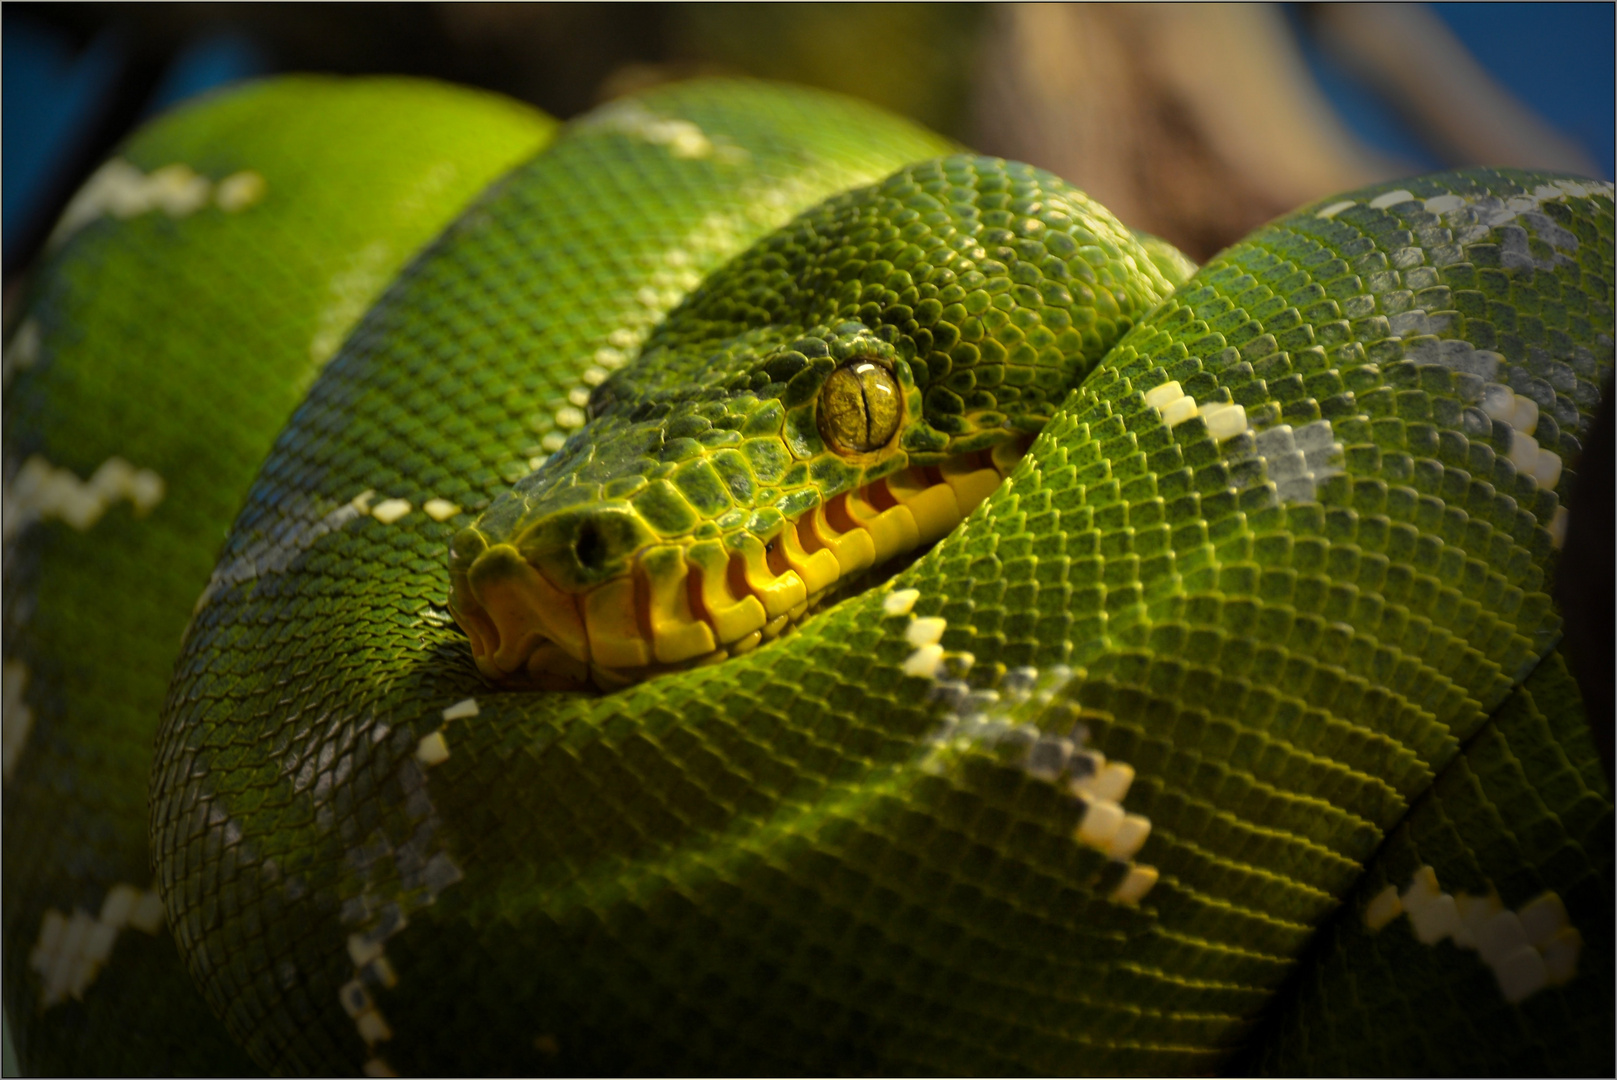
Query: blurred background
{"x": 1196, "y": 122}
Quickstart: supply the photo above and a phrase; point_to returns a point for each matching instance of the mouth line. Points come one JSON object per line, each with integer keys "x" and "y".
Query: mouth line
{"x": 686, "y": 604}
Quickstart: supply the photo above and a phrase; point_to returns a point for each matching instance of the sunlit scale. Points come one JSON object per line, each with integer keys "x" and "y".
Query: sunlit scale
{"x": 692, "y": 603}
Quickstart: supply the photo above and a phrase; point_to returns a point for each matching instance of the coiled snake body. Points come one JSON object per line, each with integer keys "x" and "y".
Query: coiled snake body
{"x": 783, "y": 716}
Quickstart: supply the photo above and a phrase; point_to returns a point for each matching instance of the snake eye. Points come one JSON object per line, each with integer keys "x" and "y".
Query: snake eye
{"x": 859, "y": 407}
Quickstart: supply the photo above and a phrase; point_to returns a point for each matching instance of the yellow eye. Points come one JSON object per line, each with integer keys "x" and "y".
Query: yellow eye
{"x": 860, "y": 407}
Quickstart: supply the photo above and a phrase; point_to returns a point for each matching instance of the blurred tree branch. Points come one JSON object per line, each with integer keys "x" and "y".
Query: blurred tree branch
{"x": 1426, "y": 73}
{"x": 1195, "y": 122}
{"x": 1199, "y": 122}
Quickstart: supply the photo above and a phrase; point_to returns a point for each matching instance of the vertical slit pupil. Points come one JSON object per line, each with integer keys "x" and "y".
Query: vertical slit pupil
{"x": 861, "y": 375}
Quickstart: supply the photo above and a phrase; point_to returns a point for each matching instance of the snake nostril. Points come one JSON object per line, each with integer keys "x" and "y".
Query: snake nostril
{"x": 578, "y": 548}
{"x": 591, "y": 547}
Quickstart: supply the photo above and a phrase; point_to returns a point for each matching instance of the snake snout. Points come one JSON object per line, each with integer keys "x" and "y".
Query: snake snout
{"x": 581, "y": 547}
{"x": 523, "y": 629}
{"x": 589, "y": 594}
{"x": 524, "y": 603}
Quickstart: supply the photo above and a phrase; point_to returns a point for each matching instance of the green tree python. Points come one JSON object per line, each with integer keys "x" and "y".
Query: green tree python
{"x": 745, "y": 586}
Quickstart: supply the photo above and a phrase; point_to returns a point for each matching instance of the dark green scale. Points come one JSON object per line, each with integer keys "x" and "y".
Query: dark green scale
{"x": 769, "y": 865}
{"x": 759, "y": 343}
{"x": 1524, "y": 810}
{"x": 1377, "y": 629}
{"x": 340, "y": 836}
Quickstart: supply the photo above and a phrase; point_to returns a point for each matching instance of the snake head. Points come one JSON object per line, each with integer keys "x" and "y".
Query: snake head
{"x": 517, "y": 600}
{"x": 832, "y": 401}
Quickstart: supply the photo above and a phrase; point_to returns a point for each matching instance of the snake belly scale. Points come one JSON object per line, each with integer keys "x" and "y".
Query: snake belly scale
{"x": 894, "y": 621}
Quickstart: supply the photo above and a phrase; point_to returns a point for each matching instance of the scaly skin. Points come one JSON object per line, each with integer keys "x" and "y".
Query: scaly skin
{"x": 884, "y": 842}
{"x": 180, "y": 342}
{"x": 713, "y": 474}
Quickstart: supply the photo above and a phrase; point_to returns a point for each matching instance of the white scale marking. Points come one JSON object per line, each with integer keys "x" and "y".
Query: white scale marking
{"x": 1497, "y": 211}
{"x": 1499, "y": 402}
{"x": 900, "y": 601}
{"x": 1526, "y": 950}
{"x": 682, "y": 138}
{"x": 367, "y": 948}
{"x": 1503, "y": 404}
{"x": 274, "y": 555}
{"x": 22, "y": 352}
{"x": 461, "y": 710}
{"x": 238, "y": 191}
{"x": 1222, "y": 418}
{"x": 390, "y": 510}
{"x": 41, "y": 491}
{"x": 1390, "y": 198}
{"x": 432, "y": 750}
{"x": 122, "y": 190}
{"x": 1295, "y": 459}
{"x": 349, "y": 292}
{"x": 925, "y": 631}
{"x": 16, "y": 718}
{"x": 924, "y": 662}
{"x": 440, "y": 509}
{"x": 72, "y": 950}
{"x": 980, "y": 716}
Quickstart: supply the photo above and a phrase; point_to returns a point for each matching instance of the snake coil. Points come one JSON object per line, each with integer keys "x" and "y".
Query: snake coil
{"x": 895, "y": 617}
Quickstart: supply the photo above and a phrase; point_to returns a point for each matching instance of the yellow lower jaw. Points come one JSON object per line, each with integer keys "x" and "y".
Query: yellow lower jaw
{"x": 818, "y": 570}
{"x": 854, "y": 550}
{"x": 708, "y": 601}
{"x": 511, "y": 612}
{"x": 678, "y": 635}
{"x": 614, "y": 631}
{"x": 732, "y": 617}
{"x": 892, "y": 531}
{"x": 779, "y": 593}
{"x": 970, "y": 485}
{"x": 687, "y": 605}
{"x": 932, "y": 506}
